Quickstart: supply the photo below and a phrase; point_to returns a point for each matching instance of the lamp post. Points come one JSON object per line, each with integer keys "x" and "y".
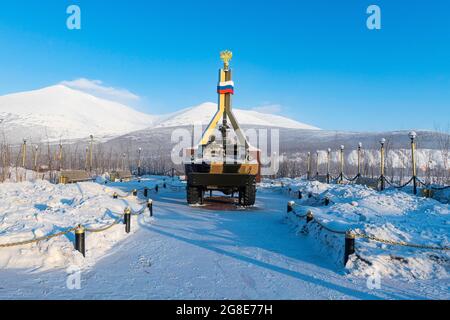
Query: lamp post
{"x": 60, "y": 156}
{"x": 317, "y": 164}
{"x": 90, "y": 151}
{"x": 342, "y": 164}
{"x": 35, "y": 157}
{"x": 412, "y": 136}
{"x": 328, "y": 165}
{"x": 139, "y": 161}
{"x": 87, "y": 159}
{"x": 430, "y": 164}
{"x": 359, "y": 159}
{"x": 24, "y": 152}
{"x": 382, "y": 166}
{"x": 308, "y": 174}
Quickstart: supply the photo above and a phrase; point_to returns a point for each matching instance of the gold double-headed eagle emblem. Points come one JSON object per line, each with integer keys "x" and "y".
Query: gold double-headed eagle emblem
{"x": 226, "y": 57}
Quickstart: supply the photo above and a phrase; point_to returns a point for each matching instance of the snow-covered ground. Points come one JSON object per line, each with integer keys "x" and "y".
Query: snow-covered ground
{"x": 194, "y": 252}
{"x": 390, "y": 215}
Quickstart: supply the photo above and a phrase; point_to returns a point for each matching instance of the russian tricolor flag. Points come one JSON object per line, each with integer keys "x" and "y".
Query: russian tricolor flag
{"x": 225, "y": 87}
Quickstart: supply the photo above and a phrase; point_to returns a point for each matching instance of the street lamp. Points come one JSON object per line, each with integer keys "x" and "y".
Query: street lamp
{"x": 317, "y": 164}
{"x": 24, "y": 152}
{"x": 60, "y": 156}
{"x": 90, "y": 151}
{"x": 123, "y": 161}
{"x": 342, "y": 163}
{"x": 328, "y": 164}
{"x": 139, "y": 161}
{"x": 87, "y": 159}
{"x": 382, "y": 142}
{"x": 360, "y": 145}
{"x": 413, "y": 136}
{"x": 35, "y": 157}
{"x": 308, "y": 174}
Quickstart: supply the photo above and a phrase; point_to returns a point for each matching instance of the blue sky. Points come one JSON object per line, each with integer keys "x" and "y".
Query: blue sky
{"x": 314, "y": 61}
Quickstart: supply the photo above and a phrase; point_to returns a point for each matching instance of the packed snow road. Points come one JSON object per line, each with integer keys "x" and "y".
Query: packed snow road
{"x": 197, "y": 253}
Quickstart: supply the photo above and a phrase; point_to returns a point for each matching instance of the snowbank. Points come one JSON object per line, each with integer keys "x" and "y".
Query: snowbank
{"x": 391, "y": 215}
{"x": 34, "y": 209}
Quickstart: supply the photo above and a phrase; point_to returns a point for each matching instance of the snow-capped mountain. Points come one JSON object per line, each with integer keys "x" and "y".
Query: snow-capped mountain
{"x": 58, "y": 112}
{"x": 205, "y": 112}
{"x": 61, "y": 113}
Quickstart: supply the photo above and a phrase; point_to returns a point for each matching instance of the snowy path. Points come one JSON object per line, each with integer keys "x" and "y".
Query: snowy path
{"x": 194, "y": 253}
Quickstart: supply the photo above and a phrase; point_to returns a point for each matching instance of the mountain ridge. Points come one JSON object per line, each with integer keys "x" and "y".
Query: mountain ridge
{"x": 62, "y": 113}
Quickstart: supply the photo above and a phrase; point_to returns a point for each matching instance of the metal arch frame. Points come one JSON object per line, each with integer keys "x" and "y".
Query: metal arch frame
{"x": 224, "y": 111}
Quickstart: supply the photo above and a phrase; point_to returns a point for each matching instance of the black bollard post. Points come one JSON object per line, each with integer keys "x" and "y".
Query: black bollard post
{"x": 290, "y": 206}
{"x": 309, "y": 216}
{"x": 156, "y": 188}
{"x": 164, "y": 185}
{"x": 145, "y": 192}
{"x": 127, "y": 220}
{"x": 150, "y": 207}
{"x": 310, "y": 195}
{"x": 300, "y": 194}
{"x": 80, "y": 240}
{"x": 327, "y": 201}
{"x": 135, "y": 192}
{"x": 349, "y": 246}
{"x": 115, "y": 195}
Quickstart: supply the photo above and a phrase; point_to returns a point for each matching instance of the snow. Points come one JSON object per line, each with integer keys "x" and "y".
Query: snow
{"x": 59, "y": 112}
{"x": 392, "y": 215}
{"x": 205, "y": 112}
{"x": 196, "y": 253}
{"x": 36, "y": 209}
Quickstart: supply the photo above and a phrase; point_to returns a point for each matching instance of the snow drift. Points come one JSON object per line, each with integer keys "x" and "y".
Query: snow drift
{"x": 392, "y": 215}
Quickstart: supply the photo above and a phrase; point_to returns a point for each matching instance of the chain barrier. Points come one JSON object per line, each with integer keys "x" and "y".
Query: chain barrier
{"x": 296, "y": 213}
{"x": 139, "y": 212}
{"x": 62, "y": 233}
{"x": 397, "y": 186}
{"x": 399, "y": 243}
{"x": 430, "y": 186}
{"x": 368, "y": 237}
{"x": 20, "y": 243}
{"x": 351, "y": 179}
{"x": 326, "y": 227}
{"x": 106, "y": 227}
